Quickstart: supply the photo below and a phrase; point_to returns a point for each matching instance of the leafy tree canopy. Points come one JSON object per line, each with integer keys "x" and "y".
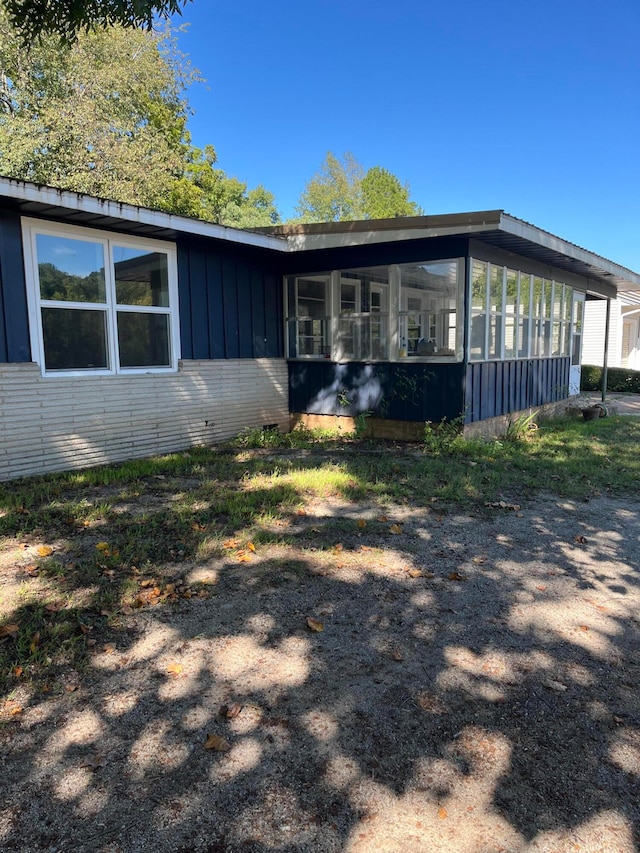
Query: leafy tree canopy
{"x": 107, "y": 115}
{"x": 384, "y": 196}
{"x": 67, "y": 18}
{"x": 341, "y": 190}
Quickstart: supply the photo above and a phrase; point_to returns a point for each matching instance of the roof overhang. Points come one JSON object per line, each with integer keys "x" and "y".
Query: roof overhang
{"x": 493, "y": 227}
{"x": 79, "y": 209}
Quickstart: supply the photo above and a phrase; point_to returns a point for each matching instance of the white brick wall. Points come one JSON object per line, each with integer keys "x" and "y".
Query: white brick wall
{"x": 58, "y": 423}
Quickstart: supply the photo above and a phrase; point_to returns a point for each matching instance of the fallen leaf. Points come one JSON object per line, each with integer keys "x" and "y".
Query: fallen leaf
{"x": 558, "y": 686}
{"x": 17, "y": 709}
{"x": 35, "y": 641}
{"x": 442, "y": 813}
{"x": 414, "y": 573}
{"x": 17, "y": 671}
{"x": 147, "y": 582}
{"x": 231, "y": 711}
{"x": 383, "y": 519}
{"x": 338, "y": 548}
{"x": 541, "y": 587}
{"x": 9, "y": 630}
{"x": 230, "y": 544}
{"x": 108, "y": 648}
{"x": 301, "y": 512}
{"x": 251, "y": 547}
{"x": 217, "y": 743}
{"x": 54, "y": 606}
{"x": 45, "y": 551}
{"x": 361, "y": 523}
{"x": 456, "y": 576}
{"x": 503, "y": 505}
{"x": 396, "y": 529}
{"x": 175, "y": 668}
{"x": 198, "y": 527}
{"x": 314, "y": 624}
{"x": 102, "y": 546}
{"x": 480, "y": 559}
{"x": 584, "y": 628}
{"x": 581, "y": 540}
{"x": 397, "y": 655}
{"x": 243, "y": 557}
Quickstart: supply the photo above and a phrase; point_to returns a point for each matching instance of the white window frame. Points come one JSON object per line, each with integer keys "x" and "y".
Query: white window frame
{"x": 108, "y": 239}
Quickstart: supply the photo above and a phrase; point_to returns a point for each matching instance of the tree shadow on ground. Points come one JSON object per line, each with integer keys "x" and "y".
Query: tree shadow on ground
{"x": 474, "y": 687}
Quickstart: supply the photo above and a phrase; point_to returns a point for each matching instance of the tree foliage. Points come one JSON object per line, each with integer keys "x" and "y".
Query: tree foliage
{"x": 384, "y": 196}
{"x": 107, "y": 116}
{"x": 67, "y": 18}
{"x": 333, "y": 194}
{"x": 341, "y": 190}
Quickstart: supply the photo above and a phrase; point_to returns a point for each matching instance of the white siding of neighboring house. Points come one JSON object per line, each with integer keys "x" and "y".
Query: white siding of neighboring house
{"x": 59, "y": 423}
{"x": 595, "y": 313}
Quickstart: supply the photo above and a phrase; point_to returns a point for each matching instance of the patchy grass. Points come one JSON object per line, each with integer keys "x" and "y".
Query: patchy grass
{"x": 87, "y": 547}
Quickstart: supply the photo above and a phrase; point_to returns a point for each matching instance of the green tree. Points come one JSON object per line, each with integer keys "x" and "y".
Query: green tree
{"x": 106, "y": 115}
{"x": 383, "y": 196}
{"x": 334, "y": 193}
{"x": 34, "y": 18}
{"x": 206, "y": 192}
{"x": 341, "y": 190}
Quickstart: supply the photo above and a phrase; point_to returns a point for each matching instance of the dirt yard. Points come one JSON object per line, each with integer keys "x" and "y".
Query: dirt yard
{"x": 427, "y": 683}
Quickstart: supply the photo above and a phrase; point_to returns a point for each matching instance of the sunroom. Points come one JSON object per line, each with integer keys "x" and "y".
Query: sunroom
{"x": 473, "y": 316}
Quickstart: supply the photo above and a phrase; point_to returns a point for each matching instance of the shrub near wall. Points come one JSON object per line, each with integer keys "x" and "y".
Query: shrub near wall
{"x": 618, "y": 379}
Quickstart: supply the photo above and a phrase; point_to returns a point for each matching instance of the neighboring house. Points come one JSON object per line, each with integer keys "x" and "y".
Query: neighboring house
{"x": 126, "y": 332}
{"x": 624, "y": 332}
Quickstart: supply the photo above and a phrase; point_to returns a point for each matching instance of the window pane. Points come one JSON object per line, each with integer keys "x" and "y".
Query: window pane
{"x": 70, "y": 270}
{"x": 143, "y": 339}
{"x": 428, "y": 308}
{"x": 495, "y": 290}
{"x": 479, "y": 286}
{"x": 547, "y": 298}
{"x": 312, "y": 299}
{"x": 557, "y": 300}
{"x": 478, "y": 329}
{"x": 74, "y": 339}
{"x": 512, "y": 290}
{"x": 525, "y": 294}
{"x": 537, "y": 297}
{"x": 142, "y": 278}
{"x": 510, "y": 336}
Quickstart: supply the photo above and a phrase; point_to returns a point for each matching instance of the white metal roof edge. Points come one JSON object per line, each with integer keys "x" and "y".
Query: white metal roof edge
{"x": 39, "y": 194}
{"x": 520, "y": 228}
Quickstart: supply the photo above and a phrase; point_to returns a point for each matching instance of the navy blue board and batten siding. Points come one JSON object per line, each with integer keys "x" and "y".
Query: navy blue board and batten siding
{"x": 15, "y": 345}
{"x": 230, "y": 302}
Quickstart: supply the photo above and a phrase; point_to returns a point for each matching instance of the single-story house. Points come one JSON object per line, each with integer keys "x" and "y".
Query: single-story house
{"x": 127, "y": 332}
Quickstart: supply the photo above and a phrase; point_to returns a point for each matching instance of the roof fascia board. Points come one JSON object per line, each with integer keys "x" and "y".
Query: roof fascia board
{"x": 52, "y": 197}
{"x": 313, "y": 242}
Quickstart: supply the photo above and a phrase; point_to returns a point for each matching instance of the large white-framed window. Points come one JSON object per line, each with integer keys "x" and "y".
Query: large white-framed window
{"x": 99, "y": 302}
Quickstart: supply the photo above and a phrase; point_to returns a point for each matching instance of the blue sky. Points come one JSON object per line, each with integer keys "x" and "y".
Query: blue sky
{"x": 528, "y": 107}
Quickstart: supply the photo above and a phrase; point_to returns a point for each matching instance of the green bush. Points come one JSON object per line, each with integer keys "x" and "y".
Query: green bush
{"x": 618, "y": 379}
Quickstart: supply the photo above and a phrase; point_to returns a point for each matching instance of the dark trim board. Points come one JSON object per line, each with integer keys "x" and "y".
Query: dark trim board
{"x": 15, "y": 342}
{"x": 397, "y": 391}
{"x": 496, "y": 388}
{"x": 383, "y": 254}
